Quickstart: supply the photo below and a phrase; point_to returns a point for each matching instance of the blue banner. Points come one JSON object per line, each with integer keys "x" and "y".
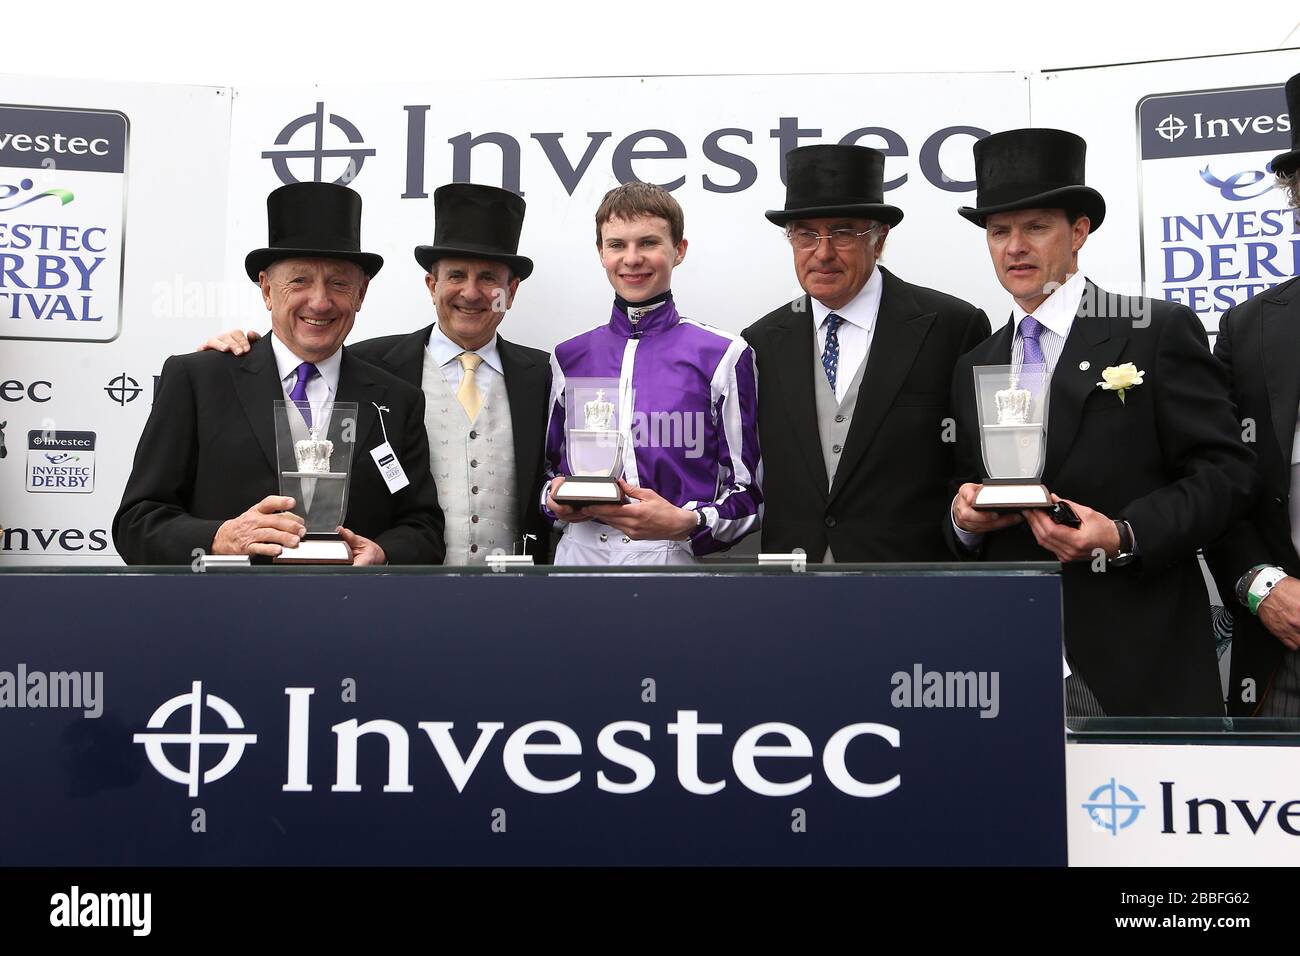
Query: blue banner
{"x": 411, "y": 719}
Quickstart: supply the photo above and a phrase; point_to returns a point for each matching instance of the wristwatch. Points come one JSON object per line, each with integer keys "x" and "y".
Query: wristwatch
{"x": 1255, "y": 585}
{"x": 1126, "y": 553}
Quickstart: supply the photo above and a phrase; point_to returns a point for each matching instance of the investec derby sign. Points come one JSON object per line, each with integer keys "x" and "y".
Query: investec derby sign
{"x": 1215, "y": 231}
{"x": 62, "y": 220}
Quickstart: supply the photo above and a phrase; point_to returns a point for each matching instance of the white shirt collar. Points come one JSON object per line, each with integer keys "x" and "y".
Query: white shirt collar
{"x": 287, "y": 364}
{"x": 444, "y": 350}
{"x": 1058, "y": 310}
{"x": 861, "y": 309}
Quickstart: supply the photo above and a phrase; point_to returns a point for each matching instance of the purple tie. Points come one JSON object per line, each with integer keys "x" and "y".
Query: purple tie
{"x": 1030, "y": 328}
{"x": 299, "y": 394}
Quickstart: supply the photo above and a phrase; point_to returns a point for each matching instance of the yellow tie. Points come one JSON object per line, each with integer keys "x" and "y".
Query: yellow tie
{"x": 468, "y": 394}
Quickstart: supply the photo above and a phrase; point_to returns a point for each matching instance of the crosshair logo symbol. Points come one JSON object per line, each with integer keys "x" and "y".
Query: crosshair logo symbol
{"x": 123, "y": 389}
{"x": 1171, "y": 127}
{"x": 1113, "y": 807}
{"x": 354, "y": 155}
{"x": 195, "y": 738}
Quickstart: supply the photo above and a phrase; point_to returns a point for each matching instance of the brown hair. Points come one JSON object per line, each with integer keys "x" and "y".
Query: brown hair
{"x": 638, "y": 200}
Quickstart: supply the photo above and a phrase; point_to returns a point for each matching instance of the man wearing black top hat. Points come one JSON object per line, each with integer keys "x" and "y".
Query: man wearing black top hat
{"x": 1142, "y": 442}
{"x": 854, "y": 377}
{"x": 1256, "y": 565}
{"x": 206, "y": 476}
{"x": 486, "y": 398}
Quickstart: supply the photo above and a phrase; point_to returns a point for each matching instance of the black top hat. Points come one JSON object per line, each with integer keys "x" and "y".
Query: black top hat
{"x": 312, "y": 221}
{"x": 476, "y": 222}
{"x": 828, "y": 180}
{"x": 1032, "y": 169}
{"x": 1284, "y": 164}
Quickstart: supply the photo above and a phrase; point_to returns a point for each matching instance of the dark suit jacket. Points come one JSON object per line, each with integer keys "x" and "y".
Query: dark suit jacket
{"x": 528, "y": 390}
{"x": 1169, "y": 460}
{"x": 207, "y": 454}
{"x": 1259, "y": 343}
{"x": 891, "y": 485}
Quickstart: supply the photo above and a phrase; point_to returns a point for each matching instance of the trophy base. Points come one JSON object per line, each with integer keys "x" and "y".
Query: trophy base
{"x": 579, "y": 491}
{"x": 1014, "y": 494}
{"x": 505, "y": 562}
{"x": 316, "y": 549}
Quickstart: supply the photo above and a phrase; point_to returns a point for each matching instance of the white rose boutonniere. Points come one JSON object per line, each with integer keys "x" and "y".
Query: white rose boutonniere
{"x": 1120, "y": 378}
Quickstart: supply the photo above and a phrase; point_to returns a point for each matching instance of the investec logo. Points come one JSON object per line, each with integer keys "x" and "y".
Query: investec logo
{"x": 61, "y": 462}
{"x": 1114, "y": 807}
{"x": 1172, "y": 127}
{"x": 532, "y": 740}
{"x": 1214, "y": 122}
{"x": 324, "y": 146}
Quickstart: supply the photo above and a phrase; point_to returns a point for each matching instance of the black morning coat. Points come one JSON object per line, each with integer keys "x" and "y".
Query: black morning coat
{"x": 1169, "y": 459}
{"x": 208, "y": 454}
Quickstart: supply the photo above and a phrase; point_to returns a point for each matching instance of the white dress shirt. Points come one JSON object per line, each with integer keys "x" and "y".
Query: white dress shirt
{"x": 854, "y": 333}
{"x": 445, "y": 356}
{"x": 321, "y": 388}
{"x": 1056, "y": 315}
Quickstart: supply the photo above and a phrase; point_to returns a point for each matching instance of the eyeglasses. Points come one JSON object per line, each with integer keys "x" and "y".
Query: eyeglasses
{"x": 806, "y": 239}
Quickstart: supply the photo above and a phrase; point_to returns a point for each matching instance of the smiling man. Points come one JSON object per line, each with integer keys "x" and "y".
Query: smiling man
{"x": 854, "y": 377}
{"x": 1153, "y": 470}
{"x": 485, "y": 397}
{"x": 686, "y": 394}
{"x": 206, "y": 476}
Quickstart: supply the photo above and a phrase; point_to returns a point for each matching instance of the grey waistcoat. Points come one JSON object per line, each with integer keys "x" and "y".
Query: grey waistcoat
{"x": 833, "y": 420}
{"x": 473, "y": 467}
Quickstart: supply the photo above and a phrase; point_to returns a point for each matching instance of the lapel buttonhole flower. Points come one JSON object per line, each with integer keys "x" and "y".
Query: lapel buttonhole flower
{"x": 1120, "y": 378}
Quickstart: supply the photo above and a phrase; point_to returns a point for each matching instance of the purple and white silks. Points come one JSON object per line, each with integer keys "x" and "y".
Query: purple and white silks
{"x": 701, "y": 380}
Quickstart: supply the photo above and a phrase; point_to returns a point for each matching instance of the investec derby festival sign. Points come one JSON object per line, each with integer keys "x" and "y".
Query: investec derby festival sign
{"x": 1214, "y": 230}
{"x": 62, "y": 211}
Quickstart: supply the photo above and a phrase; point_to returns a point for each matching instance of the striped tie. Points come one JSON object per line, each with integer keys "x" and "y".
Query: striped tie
{"x": 1030, "y": 328}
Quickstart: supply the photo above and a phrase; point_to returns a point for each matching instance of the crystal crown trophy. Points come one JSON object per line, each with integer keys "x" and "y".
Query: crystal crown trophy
{"x": 594, "y": 449}
{"x": 314, "y": 446}
{"x": 1012, "y": 404}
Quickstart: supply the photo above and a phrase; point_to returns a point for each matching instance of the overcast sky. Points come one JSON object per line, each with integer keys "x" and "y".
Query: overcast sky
{"x": 238, "y": 42}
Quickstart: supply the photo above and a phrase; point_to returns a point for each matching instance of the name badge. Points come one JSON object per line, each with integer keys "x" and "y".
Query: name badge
{"x": 389, "y": 467}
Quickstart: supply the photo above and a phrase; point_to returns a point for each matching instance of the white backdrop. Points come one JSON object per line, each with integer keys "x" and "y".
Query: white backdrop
{"x": 738, "y": 266}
